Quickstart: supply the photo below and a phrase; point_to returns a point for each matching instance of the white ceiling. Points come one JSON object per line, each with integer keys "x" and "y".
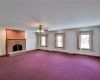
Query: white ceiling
{"x": 54, "y": 15}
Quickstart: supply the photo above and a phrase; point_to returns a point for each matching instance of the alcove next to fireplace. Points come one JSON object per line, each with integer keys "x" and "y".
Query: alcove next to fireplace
{"x": 15, "y": 40}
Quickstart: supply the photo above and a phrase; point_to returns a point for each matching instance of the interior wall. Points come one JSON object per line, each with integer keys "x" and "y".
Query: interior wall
{"x": 2, "y": 41}
{"x": 71, "y": 41}
{"x": 31, "y": 40}
{"x": 99, "y": 39}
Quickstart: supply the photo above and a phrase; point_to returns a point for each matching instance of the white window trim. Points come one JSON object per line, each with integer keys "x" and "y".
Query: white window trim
{"x": 90, "y": 33}
{"x": 63, "y": 36}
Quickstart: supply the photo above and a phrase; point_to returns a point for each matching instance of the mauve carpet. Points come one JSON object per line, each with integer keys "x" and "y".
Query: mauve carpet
{"x": 44, "y": 65}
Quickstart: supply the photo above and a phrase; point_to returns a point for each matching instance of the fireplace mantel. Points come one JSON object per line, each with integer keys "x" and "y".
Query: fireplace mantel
{"x": 16, "y": 39}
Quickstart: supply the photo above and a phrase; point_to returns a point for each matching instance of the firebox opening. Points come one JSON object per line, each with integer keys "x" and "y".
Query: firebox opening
{"x": 17, "y": 47}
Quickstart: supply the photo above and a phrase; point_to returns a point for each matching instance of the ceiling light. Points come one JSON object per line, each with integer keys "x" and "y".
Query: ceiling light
{"x": 40, "y": 29}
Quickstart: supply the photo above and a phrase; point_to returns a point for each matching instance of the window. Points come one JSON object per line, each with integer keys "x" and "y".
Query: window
{"x": 59, "y": 40}
{"x": 43, "y": 40}
{"x": 85, "y": 40}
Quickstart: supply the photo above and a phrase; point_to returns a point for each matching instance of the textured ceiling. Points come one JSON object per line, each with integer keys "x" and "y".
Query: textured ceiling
{"x": 54, "y": 15}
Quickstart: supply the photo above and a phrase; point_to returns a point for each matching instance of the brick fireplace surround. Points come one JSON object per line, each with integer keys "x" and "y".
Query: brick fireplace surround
{"x": 14, "y": 37}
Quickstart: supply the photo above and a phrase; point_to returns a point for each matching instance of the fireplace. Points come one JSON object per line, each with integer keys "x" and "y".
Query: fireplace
{"x": 17, "y": 47}
{"x": 15, "y": 40}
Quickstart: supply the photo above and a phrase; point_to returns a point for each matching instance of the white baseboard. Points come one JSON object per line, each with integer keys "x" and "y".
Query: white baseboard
{"x": 56, "y": 51}
{"x": 2, "y": 54}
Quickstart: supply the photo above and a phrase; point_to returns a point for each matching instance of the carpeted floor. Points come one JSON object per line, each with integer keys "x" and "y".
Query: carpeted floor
{"x": 44, "y": 65}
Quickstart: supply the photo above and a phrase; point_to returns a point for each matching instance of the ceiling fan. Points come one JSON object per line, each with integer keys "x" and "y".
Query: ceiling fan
{"x": 41, "y": 29}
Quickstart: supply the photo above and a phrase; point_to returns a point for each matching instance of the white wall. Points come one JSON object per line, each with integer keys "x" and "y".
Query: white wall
{"x": 31, "y": 40}
{"x": 71, "y": 41}
{"x": 99, "y": 40}
{"x": 2, "y": 41}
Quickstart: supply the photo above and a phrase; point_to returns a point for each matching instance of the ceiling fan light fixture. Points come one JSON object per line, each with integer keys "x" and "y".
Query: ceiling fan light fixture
{"x": 42, "y": 31}
{"x": 38, "y": 31}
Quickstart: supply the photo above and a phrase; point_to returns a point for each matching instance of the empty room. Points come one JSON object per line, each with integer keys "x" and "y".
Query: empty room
{"x": 49, "y": 40}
